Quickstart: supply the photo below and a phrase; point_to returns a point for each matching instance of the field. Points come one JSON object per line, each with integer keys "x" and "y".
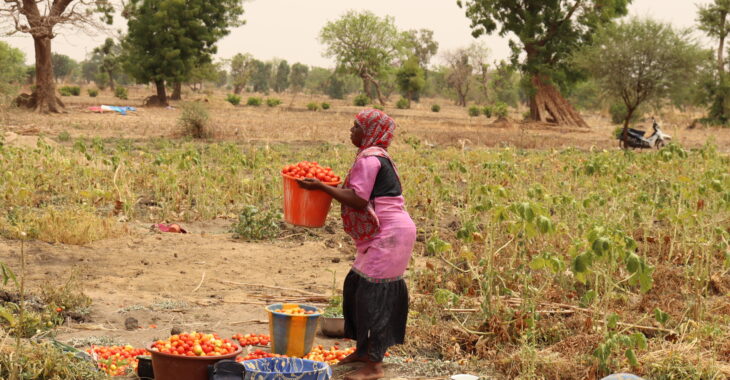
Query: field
{"x": 543, "y": 252}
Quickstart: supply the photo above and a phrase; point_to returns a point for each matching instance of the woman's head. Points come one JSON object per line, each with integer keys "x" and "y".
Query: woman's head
{"x": 372, "y": 128}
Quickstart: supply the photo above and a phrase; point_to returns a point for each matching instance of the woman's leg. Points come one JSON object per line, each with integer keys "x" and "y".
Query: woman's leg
{"x": 350, "y": 312}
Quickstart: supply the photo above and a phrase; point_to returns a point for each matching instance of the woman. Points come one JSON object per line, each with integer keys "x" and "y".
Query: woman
{"x": 375, "y": 298}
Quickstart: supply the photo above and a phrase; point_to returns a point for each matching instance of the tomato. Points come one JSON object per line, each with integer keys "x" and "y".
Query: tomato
{"x": 306, "y": 169}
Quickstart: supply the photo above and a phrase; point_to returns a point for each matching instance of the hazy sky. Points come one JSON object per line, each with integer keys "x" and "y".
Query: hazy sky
{"x": 289, "y": 29}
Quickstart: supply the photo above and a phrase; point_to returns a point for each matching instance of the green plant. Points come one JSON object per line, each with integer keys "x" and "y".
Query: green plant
{"x": 233, "y": 99}
{"x": 403, "y": 103}
{"x": 312, "y": 106}
{"x": 194, "y": 120}
{"x": 46, "y": 360}
{"x": 500, "y": 110}
{"x": 378, "y": 107}
{"x": 619, "y": 111}
{"x": 254, "y": 101}
{"x": 92, "y": 92}
{"x": 435, "y": 108}
{"x": 273, "y": 102}
{"x": 325, "y": 106}
{"x": 254, "y": 224}
{"x": 120, "y": 92}
{"x": 616, "y": 340}
{"x": 474, "y": 111}
{"x": 361, "y": 100}
{"x": 65, "y": 91}
{"x": 487, "y": 111}
{"x": 64, "y": 136}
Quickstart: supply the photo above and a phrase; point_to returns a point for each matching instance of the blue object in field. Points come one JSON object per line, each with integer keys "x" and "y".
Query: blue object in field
{"x": 622, "y": 376}
{"x": 285, "y": 369}
{"x": 121, "y": 110}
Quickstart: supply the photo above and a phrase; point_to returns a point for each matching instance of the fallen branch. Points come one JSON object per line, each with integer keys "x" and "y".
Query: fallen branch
{"x": 200, "y": 283}
{"x": 261, "y": 321}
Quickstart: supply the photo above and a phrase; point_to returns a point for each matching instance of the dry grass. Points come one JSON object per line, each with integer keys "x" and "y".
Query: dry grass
{"x": 67, "y": 226}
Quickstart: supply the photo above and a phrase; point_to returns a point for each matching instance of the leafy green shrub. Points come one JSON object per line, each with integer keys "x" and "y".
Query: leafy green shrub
{"x": 120, "y": 92}
{"x": 325, "y": 106}
{"x": 474, "y": 111}
{"x": 70, "y": 90}
{"x": 273, "y": 102}
{"x": 435, "y": 108}
{"x": 487, "y": 111}
{"x": 619, "y": 111}
{"x": 403, "y": 103}
{"x": 254, "y": 224}
{"x": 194, "y": 120}
{"x": 93, "y": 92}
{"x": 334, "y": 307}
{"x": 500, "y": 110}
{"x": 361, "y": 100}
{"x": 233, "y": 99}
{"x": 378, "y": 107}
{"x": 254, "y": 101}
{"x": 312, "y": 106}
{"x": 64, "y": 136}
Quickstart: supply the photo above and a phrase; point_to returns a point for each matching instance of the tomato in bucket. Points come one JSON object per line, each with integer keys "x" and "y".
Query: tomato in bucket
{"x": 302, "y": 207}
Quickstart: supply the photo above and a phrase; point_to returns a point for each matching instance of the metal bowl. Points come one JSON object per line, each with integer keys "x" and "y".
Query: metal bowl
{"x": 333, "y": 327}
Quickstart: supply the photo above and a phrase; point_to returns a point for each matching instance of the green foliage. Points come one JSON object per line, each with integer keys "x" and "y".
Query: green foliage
{"x": 281, "y": 82}
{"x": 254, "y": 224}
{"x": 70, "y": 91}
{"x": 586, "y": 95}
{"x": 403, "y": 103}
{"x": 410, "y": 79}
{"x": 92, "y": 92}
{"x": 166, "y": 39}
{"x": 241, "y": 71}
{"x": 273, "y": 102}
{"x": 325, "y": 106}
{"x": 194, "y": 120}
{"x": 613, "y": 343}
{"x": 110, "y": 59}
{"x": 474, "y": 111}
{"x": 298, "y": 76}
{"x": 335, "y": 87}
{"x": 435, "y": 108}
{"x": 505, "y": 84}
{"x": 500, "y": 110}
{"x": 261, "y": 76}
{"x": 64, "y": 136}
{"x": 46, "y": 360}
{"x": 312, "y": 106}
{"x": 63, "y": 66}
{"x": 619, "y": 112}
{"x": 254, "y": 101}
{"x": 377, "y": 107}
{"x": 233, "y": 99}
{"x": 120, "y": 92}
{"x": 487, "y": 111}
{"x": 361, "y": 100}
{"x": 334, "y": 307}
{"x": 421, "y": 45}
{"x": 12, "y": 70}
{"x": 644, "y": 69}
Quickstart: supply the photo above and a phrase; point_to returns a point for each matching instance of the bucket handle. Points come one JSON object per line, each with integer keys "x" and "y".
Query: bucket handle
{"x": 229, "y": 370}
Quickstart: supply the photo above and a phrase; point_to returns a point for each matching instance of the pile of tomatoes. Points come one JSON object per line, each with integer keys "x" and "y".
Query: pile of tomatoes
{"x": 307, "y": 169}
{"x": 116, "y": 360}
{"x": 258, "y": 354}
{"x": 252, "y": 339}
{"x": 195, "y": 344}
{"x": 295, "y": 311}
{"x": 331, "y": 356}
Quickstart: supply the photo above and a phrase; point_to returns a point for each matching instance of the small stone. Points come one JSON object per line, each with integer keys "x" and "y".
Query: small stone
{"x": 131, "y": 323}
{"x": 336, "y": 260}
{"x": 176, "y": 330}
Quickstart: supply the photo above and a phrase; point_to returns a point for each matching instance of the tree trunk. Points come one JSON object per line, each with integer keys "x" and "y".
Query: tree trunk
{"x": 365, "y": 85}
{"x": 625, "y": 132}
{"x": 111, "y": 80}
{"x": 548, "y": 105}
{"x": 237, "y": 89}
{"x": 377, "y": 90}
{"x": 44, "y": 95}
{"x": 161, "y": 94}
{"x": 720, "y": 50}
{"x": 177, "y": 91}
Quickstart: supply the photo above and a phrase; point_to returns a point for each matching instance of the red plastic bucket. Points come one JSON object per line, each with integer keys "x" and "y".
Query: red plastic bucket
{"x": 306, "y": 208}
{"x": 179, "y": 367}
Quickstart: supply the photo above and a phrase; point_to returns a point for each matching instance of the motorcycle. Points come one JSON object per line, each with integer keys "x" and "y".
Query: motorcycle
{"x": 635, "y": 138}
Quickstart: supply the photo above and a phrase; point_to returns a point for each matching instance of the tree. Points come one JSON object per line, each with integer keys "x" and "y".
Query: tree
{"x": 547, "y": 33}
{"x": 478, "y": 54}
{"x": 205, "y": 72}
{"x": 363, "y": 44}
{"x": 167, "y": 39}
{"x": 39, "y": 18}
{"x": 12, "y": 69}
{"x": 411, "y": 79}
{"x": 459, "y": 73}
{"x": 504, "y": 84}
{"x": 63, "y": 66}
{"x": 241, "y": 71}
{"x": 261, "y": 76}
{"x": 298, "y": 77}
{"x": 640, "y": 61}
{"x": 421, "y": 45}
{"x": 281, "y": 82}
{"x": 713, "y": 20}
{"x": 110, "y": 58}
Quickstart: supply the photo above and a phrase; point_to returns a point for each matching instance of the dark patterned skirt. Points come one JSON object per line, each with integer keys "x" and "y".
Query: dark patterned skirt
{"x": 375, "y": 314}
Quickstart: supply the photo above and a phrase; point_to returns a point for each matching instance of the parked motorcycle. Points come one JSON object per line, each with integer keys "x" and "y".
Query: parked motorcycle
{"x": 635, "y": 138}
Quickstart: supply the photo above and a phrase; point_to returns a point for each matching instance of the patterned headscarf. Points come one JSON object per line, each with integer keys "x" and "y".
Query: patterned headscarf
{"x": 378, "y": 128}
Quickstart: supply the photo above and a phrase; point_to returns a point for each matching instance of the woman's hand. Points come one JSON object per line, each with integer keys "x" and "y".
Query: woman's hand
{"x": 310, "y": 183}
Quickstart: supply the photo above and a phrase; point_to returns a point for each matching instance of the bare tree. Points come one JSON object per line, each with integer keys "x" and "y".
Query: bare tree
{"x": 39, "y": 18}
{"x": 460, "y": 72}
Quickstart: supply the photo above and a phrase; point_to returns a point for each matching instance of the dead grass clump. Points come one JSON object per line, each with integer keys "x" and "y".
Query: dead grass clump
{"x": 683, "y": 361}
{"x": 67, "y": 226}
{"x": 44, "y": 361}
{"x": 194, "y": 120}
